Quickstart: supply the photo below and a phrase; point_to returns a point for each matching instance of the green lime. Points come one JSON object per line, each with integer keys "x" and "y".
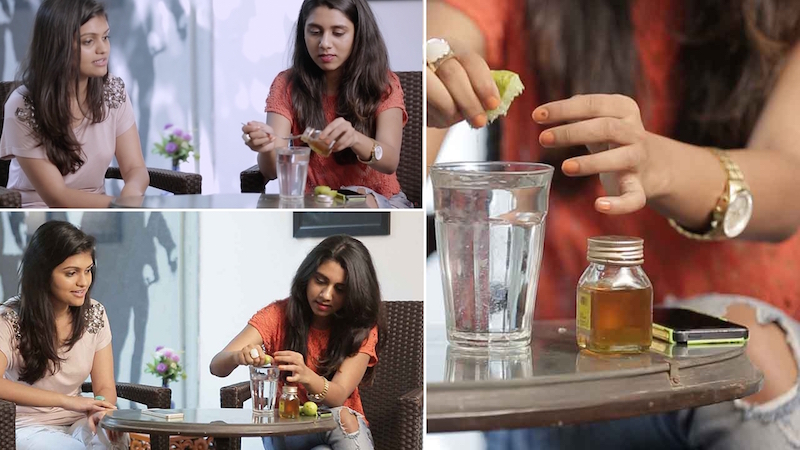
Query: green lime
{"x": 510, "y": 86}
{"x": 322, "y": 190}
{"x": 309, "y": 409}
{"x": 267, "y": 360}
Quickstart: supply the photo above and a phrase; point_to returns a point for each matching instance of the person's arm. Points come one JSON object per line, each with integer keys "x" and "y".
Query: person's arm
{"x": 389, "y": 135}
{"x": 340, "y": 387}
{"x": 131, "y": 163}
{"x": 238, "y": 353}
{"x": 683, "y": 181}
{"x": 26, "y": 395}
{"x": 102, "y": 375}
{"x": 264, "y": 140}
{"x": 49, "y": 184}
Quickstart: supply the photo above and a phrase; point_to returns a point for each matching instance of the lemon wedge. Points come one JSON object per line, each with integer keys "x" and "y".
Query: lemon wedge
{"x": 510, "y": 86}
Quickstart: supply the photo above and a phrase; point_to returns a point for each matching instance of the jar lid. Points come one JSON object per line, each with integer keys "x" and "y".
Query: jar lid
{"x": 290, "y": 389}
{"x": 620, "y": 250}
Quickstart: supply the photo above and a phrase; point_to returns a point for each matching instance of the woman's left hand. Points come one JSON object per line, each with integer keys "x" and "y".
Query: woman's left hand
{"x": 341, "y": 131}
{"x": 94, "y": 421}
{"x": 621, "y": 150}
{"x": 293, "y": 362}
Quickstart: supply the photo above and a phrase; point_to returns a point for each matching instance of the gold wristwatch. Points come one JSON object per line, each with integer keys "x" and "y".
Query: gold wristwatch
{"x": 734, "y": 207}
{"x": 375, "y": 156}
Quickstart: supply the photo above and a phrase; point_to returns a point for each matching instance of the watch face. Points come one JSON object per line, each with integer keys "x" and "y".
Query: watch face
{"x": 738, "y": 214}
{"x": 378, "y": 152}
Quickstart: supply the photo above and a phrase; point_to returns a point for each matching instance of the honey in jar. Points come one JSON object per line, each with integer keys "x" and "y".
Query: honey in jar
{"x": 289, "y": 405}
{"x": 614, "y": 310}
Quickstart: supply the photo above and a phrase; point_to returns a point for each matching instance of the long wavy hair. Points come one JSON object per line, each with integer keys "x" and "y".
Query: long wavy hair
{"x": 50, "y": 246}
{"x": 362, "y": 309}
{"x": 51, "y": 74}
{"x": 731, "y": 53}
{"x": 365, "y": 74}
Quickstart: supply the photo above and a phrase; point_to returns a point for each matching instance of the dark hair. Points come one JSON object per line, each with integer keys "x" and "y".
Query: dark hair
{"x": 50, "y": 246}
{"x": 362, "y": 309}
{"x": 51, "y": 73}
{"x": 365, "y": 74}
{"x": 730, "y": 55}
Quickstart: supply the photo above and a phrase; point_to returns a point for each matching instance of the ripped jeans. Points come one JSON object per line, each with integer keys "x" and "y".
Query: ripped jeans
{"x": 733, "y": 425}
{"x": 335, "y": 439}
{"x": 75, "y": 437}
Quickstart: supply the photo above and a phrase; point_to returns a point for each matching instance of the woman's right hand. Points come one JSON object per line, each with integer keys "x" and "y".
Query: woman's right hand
{"x": 461, "y": 88}
{"x": 245, "y": 356}
{"x": 262, "y": 137}
{"x": 85, "y": 404}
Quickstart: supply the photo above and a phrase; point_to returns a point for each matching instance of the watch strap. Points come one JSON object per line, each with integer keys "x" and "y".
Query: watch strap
{"x": 371, "y": 159}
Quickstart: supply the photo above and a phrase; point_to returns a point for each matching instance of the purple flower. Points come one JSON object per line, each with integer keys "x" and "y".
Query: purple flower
{"x": 176, "y": 358}
{"x": 188, "y": 137}
{"x": 178, "y": 132}
{"x": 161, "y": 368}
{"x": 168, "y": 354}
{"x": 158, "y": 349}
{"x": 171, "y": 147}
{"x": 168, "y": 126}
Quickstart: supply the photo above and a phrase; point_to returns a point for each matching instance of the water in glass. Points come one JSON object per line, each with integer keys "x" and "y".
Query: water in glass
{"x": 264, "y": 388}
{"x": 293, "y": 171}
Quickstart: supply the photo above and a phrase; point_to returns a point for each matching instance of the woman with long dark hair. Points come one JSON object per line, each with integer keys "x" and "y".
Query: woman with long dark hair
{"x": 339, "y": 83}
{"x": 53, "y": 336}
{"x": 328, "y": 334}
{"x": 70, "y": 117}
{"x": 687, "y": 111}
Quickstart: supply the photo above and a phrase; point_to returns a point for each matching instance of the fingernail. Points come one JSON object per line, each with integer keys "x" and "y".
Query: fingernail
{"x": 547, "y": 138}
{"x": 604, "y": 205}
{"x": 540, "y": 114}
{"x": 570, "y": 166}
{"x": 478, "y": 121}
{"x": 493, "y": 102}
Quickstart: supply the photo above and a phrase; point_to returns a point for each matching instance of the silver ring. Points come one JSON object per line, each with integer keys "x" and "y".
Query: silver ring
{"x": 246, "y": 138}
{"x": 437, "y": 51}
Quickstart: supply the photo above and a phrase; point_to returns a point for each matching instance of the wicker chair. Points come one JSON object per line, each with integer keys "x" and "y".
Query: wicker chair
{"x": 152, "y": 396}
{"x": 166, "y": 180}
{"x": 409, "y": 170}
{"x": 393, "y": 404}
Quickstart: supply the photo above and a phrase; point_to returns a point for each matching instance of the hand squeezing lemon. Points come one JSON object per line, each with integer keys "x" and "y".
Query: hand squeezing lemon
{"x": 510, "y": 86}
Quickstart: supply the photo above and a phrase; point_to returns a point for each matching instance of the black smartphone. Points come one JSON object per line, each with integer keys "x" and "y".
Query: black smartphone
{"x": 351, "y": 195}
{"x": 684, "y": 326}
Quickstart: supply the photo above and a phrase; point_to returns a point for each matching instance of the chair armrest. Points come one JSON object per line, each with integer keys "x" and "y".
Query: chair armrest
{"x": 167, "y": 180}
{"x": 10, "y": 198}
{"x": 252, "y": 180}
{"x": 151, "y": 396}
{"x": 8, "y": 417}
{"x": 409, "y": 428}
{"x": 235, "y": 395}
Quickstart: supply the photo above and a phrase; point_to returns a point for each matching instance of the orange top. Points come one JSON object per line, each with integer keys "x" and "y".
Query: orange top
{"x": 270, "y": 322}
{"x": 677, "y": 266}
{"x": 325, "y": 171}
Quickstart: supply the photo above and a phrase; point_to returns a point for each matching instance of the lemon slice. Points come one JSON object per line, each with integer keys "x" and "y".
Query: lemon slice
{"x": 510, "y": 86}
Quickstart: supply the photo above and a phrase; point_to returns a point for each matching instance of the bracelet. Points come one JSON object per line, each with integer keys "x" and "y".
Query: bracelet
{"x": 321, "y": 396}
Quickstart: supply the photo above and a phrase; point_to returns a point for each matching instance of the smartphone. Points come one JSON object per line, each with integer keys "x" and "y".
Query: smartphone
{"x": 351, "y": 196}
{"x": 684, "y": 326}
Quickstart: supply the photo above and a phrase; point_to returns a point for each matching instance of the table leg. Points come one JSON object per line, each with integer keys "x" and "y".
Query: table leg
{"x": 159, "y": 441}
{"x": 228, "y": 443}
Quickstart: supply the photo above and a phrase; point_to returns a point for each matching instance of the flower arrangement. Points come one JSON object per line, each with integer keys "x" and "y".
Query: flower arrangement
{"x": 166, "y": 365}
{"x": 177, "y": 146}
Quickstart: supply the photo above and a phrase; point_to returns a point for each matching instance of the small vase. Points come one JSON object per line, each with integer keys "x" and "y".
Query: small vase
{"x": 175, "y": 166}
{"x": 165, "y": 384}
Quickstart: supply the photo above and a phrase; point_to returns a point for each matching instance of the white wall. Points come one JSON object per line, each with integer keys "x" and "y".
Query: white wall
{"x": 251, "y": 44}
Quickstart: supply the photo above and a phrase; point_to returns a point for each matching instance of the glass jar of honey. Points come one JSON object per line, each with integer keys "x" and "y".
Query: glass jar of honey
{"x": 289, "y": 406}
{"x": 614, "y": 311}
{"x": 322, "y": 147}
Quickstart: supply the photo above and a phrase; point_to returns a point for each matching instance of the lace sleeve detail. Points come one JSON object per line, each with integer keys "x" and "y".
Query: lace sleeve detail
{"x": 27, "y": 114}
{"x": 13, "y": 318}
{"x": 94, "y": 318}
{"x": 114, "y": 92}
{"x": 394, "y": 98}
{"x": 269, "y": 323}
{"x": 280, "y": 97}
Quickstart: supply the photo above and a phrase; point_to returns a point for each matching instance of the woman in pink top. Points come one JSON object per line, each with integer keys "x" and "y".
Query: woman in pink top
{"x": 70, "y": 117}
{"x": 339, "y": 83}
{"x": 52, "y": 337}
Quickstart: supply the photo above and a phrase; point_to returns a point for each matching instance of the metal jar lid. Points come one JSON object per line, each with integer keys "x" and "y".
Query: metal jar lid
{"x": 620, "y": 250}
{"x": 290, "y": 389}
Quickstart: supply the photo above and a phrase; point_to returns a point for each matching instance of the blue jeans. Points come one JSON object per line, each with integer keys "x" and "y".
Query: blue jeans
{"x": 75, "y": 437}
{"x": 398, "y": 200}
{"x": 774, "y": 425}
{"x": 336, "y": 439}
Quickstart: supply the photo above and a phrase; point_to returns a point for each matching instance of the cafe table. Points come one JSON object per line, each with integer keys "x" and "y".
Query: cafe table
{"x": 554, "y": 382}
{"x": 228, "y": 201}
{"x": 221, "y": 423}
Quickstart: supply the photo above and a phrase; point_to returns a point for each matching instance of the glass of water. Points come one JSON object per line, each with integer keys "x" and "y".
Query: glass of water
{"x": 264, "y": 388}
{"x": 489, "y": 234}
{"x": 293, "y": 171}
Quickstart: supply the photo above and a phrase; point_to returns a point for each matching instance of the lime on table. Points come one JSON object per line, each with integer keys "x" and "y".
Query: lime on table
{"x": 510, "y": 86}
{"x": 310, "y": 409}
